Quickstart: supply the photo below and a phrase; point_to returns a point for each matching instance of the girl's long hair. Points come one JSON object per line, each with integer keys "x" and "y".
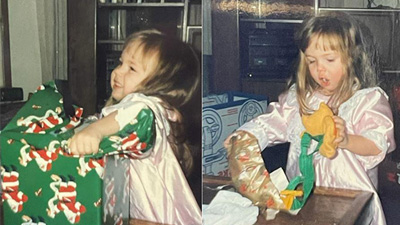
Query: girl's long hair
{"x": 174, "y": 77}
{"x": 353, "y": 40}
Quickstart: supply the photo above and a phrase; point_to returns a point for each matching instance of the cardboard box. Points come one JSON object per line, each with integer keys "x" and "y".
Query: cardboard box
{"x": 222, "y": 115}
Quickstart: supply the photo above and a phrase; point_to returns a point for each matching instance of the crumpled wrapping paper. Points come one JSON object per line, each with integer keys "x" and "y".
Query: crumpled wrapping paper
{"x": 249, "y": 175}
{"x": 40, "y": 179}
{"x": 229, "y": 207}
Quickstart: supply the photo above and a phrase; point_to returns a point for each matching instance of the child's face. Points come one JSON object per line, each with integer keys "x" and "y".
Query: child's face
{"x": 126, "y": 77}
{"x": 325, "y": 66}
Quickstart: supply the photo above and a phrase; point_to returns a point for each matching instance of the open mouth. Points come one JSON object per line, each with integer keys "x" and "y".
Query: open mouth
{"x": 324, "y": 82}
{"x": 117, "y": 85}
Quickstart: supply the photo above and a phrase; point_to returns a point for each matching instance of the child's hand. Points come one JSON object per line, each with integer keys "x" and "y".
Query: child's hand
{"x": 85, "y": 142}
{"x": 342, "y": 138}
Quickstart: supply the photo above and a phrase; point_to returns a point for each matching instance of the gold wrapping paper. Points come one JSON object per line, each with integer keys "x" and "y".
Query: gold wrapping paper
{"x": 249, "y": 175}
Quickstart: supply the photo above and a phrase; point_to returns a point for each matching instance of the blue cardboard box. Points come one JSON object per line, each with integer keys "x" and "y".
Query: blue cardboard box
{"x": 222, "y": 115}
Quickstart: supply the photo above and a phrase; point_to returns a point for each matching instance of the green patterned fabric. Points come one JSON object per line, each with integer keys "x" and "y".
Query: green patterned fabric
{"x": 41, "y": 181}
{"x": 306, "y": 166}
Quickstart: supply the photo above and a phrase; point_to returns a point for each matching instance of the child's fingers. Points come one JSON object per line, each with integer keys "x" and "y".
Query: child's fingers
{"x": 80, "y": 146}
{"x": 339, "y": 139}
{"x": 85, "y": 146}
{"x": 77, "y": 146}
{"x": 338, "y": 120}
{"x": 84, "y": 143}
{"x": 73, "y": 148}
{"x": 340, "y": 130}
{"x": 339, "y": 124}
{"x": 94, "y": 147}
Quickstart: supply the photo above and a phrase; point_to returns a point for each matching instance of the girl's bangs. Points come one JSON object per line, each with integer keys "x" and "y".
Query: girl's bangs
{"x": 329, "y": 41}
{"x": 146, "y": 53}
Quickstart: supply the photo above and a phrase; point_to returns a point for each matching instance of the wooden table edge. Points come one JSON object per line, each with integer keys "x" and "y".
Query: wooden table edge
{"x": 351, "y": 216}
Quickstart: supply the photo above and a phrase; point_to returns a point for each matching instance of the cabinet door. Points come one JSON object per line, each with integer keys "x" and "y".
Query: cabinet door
{"x": 225, "y": 52}
{"x": 272, "y": 88}
{"x": 81, "y": 53}
{"x": 396, "y": 38}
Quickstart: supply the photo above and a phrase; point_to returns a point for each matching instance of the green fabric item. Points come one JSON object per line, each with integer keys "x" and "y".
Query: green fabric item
{"x": 42, "y": 182}
{"x": 307, "y": 176}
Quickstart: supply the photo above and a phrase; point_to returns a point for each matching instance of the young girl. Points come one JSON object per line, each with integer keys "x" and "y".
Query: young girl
{"x": 160, "y": 73}
{"x": 337, "y": 65}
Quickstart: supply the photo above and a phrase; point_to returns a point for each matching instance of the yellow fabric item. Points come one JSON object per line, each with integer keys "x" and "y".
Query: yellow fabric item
{"x": 288, "y": 196}
{"x": 321, "y": 123}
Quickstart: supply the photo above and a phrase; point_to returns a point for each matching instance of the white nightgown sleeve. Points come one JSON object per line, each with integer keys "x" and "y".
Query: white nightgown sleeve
{"x": 373, "y": 119}
{"x": 271, "y": 128}
{"x": 127, "y": 114}
{"x": 126, "y": 111}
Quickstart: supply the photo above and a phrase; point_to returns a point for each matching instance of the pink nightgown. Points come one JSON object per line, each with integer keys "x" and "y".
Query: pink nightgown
{"x": 159, "y": 189}
{"x": 367, "y": 113}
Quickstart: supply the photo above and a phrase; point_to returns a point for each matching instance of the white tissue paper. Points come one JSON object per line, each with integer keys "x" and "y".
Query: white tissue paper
{"x": 279, "y": 179}
{"x": 229, "y": 208}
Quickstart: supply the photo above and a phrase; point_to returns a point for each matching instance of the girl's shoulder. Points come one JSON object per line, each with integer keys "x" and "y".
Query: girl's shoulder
{"x": 289, "y": 96}
{"x": 363, "y": 96}
{"x": 140, "y": 97}
{"x": 133, "y": 103}
{"x": 369, "y": 93}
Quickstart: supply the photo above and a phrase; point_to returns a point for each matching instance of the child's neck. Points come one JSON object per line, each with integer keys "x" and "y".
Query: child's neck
{"x": 325, "y": 92}
{"x": 329, "y": 99}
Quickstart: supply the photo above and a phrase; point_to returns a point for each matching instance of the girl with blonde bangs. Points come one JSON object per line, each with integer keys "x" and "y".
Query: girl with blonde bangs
{"x": 340, "y": 38}
{"x": 160, "y": 74}
{"x": 338, "y": 65}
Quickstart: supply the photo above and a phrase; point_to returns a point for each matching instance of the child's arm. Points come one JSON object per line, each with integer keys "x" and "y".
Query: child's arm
{"x": 355, "y": 143}
{"x": 87, "y": 140}
{"x": 271, "y": 127}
